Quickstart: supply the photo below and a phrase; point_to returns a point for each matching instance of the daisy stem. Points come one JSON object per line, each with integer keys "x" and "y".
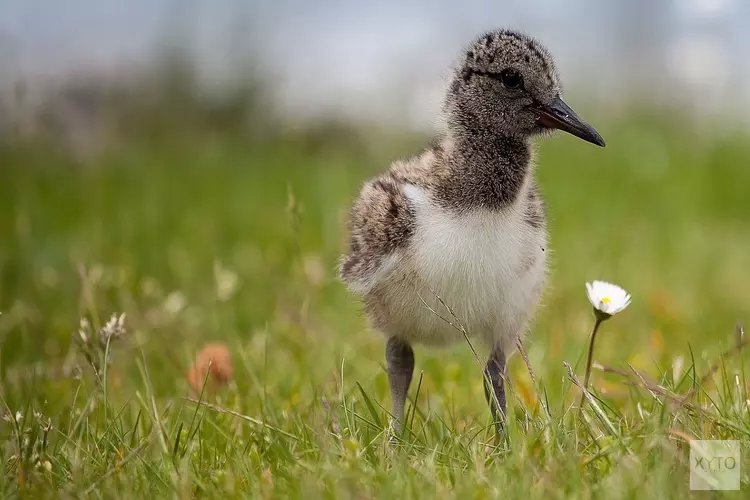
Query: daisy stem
{"x": 590, "y": 359}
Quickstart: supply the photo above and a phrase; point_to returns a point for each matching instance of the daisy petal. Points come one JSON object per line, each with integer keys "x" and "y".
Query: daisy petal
{"x": 607, "y": 297}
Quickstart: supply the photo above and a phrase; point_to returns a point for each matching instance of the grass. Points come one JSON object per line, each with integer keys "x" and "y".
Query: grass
{"x": 217, "y": 238}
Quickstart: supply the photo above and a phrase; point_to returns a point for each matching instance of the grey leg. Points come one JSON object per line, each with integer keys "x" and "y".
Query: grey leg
{"x": 400, "y": 359}
{"x": 494, "y": 389}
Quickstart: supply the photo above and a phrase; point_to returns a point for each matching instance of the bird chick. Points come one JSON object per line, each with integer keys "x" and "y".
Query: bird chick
{"x": 461, "y": 225}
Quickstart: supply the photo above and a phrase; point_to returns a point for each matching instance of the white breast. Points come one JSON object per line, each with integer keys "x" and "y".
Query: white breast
{"x": 487, "y": 265}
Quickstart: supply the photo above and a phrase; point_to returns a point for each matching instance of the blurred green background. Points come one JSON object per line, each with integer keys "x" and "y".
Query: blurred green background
{"x": 218, "y": 216}
{"x": 212, "y": 220}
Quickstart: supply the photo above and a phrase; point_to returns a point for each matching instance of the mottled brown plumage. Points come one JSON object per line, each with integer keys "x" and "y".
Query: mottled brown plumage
{"x": 462, "y": 223}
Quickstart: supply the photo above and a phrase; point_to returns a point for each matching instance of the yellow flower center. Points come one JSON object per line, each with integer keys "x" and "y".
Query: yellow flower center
{"x": 606, "y": 300}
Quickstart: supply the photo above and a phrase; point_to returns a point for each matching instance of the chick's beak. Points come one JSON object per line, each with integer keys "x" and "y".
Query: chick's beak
{"x": 560, "y": 116}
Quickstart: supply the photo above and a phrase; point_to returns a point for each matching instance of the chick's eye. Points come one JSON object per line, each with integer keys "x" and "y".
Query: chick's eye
{"x": 511, "y": 79}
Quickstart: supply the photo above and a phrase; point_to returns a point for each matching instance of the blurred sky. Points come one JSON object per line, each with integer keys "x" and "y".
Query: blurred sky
{"x": 390, "y": 58}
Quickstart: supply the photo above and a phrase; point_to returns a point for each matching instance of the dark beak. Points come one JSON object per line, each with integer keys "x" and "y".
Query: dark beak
{"x": 559, "y": 115}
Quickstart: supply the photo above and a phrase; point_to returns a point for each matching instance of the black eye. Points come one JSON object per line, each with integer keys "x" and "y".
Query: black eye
{"x": 511, "y": 79}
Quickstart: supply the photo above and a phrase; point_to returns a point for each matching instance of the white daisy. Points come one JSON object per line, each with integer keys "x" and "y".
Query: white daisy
{"x": 607, "y": 298}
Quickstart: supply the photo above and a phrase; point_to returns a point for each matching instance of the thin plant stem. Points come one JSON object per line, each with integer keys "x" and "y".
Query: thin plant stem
{"x": 590, "y": 359}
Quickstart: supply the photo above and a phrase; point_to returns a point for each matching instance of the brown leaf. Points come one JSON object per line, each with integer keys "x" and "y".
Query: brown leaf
{"x": 216, "y": 361}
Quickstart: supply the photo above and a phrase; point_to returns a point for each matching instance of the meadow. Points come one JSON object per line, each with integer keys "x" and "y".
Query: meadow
{"x": 207, "y": 231}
